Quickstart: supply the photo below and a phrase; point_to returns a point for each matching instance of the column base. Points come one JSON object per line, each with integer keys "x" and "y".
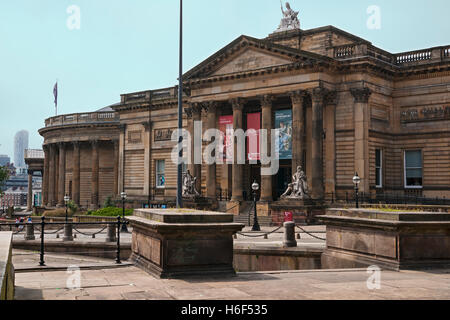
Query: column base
{"x": 234, "y": 207}
{"x": 263, "y": 208}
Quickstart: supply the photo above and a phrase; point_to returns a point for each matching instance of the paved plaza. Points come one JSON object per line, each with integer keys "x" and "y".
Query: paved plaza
{"x": 131, "y": 283}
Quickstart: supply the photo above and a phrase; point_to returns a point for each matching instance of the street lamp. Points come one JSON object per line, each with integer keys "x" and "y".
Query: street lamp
{"x": 255, "y": 187}
{"x": 123, "y": 195}
{"x": 66, "y": 202}
{"x": 356, "y": 182}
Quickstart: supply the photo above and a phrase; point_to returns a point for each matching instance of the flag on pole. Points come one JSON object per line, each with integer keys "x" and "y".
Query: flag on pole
{"x": 55, "y": 93}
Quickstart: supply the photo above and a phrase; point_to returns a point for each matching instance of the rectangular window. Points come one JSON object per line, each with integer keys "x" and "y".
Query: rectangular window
{"x": 160, "y": 173}
{"x": 413, "y": 169}
{"x": 379, "y": 168}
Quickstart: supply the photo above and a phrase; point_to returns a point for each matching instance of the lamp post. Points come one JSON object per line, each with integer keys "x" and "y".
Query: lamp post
{"x": 66, "y": 202}
{"x": 255, "y": 187}
{"x": 123, "y": 195}
{"x": 356, "y": 182}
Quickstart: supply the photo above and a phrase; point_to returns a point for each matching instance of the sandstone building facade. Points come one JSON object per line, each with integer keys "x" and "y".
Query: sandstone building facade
{"x": 350, "y": 107}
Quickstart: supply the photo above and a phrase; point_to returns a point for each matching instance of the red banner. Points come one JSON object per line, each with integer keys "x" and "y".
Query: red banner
{"x": 226, "y": 128}
{"x": 288, "y": 217}
{"x": 253, "y": 122}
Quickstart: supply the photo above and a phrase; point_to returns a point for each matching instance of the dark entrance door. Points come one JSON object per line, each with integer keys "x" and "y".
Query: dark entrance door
{"x": 283, "y": 179}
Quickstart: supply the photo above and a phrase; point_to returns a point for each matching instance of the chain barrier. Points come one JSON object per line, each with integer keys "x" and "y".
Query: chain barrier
{"x": 89, "y": 234}
{"x": 310, "y": 234}
{"x": 54, "y": 232}
{"x": 260, "y": 235}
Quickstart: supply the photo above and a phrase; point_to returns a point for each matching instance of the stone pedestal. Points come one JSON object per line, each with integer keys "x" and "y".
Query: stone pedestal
{"x": 390, "y": 240}
{"x": 304, "y": 211}
{"x": 179, "y": 243}
{"x": 200, "y": 203}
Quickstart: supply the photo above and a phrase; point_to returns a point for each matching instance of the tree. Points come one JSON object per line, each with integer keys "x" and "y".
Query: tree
{"x": 4, "y": 175}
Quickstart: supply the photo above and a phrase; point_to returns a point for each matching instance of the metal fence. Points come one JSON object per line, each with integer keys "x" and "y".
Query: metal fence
{"x": 114, "y": 229}
{"x": 386, "y": 198}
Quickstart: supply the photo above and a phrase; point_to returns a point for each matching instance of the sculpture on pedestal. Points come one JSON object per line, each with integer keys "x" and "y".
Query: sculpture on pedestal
{"x": 290, "y": 19}
{"x": 189, "y": 190}
{"x": 298, "y": 189}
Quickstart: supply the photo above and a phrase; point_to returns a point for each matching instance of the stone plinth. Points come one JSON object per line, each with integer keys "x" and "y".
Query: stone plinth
{"x": 304, "y": 211}
{"x": 6, "y": 267}
{"x": 390, "y": 240}
{"x": 177, "y": 243}
{"x": 200, "y": 203}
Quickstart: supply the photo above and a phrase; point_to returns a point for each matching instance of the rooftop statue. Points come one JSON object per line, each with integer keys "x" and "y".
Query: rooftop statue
{"x": 290, "y": 19}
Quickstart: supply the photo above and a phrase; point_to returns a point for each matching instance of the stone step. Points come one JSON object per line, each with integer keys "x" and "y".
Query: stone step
{"x": 243, "y": 218}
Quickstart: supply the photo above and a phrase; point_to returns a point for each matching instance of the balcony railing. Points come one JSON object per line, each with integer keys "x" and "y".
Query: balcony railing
{"x": 405, "y": 58}
{"x": 34, "y": 154}
{"x": 81, "y": 118}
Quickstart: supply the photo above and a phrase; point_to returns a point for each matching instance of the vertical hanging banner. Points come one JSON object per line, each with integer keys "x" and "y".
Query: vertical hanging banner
{"x": 253, "y": 123}
{"x": 283, "y": 126}
{"x": 226, "y": 129}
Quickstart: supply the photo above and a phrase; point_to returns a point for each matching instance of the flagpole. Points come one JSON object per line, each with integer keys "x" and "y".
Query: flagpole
{"x": 180, "y": 113}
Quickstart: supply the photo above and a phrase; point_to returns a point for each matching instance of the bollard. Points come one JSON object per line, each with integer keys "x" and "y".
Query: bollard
{"x": 266, "y": 236}
{"x": 111, "y": 233}
{"x": 299, "y": 236}
{"x": 75, "y": 236}
{"x": 68, "y": 236}
{"x": 41, "y": 260}
{"x": 29, "y": 232}
{"x": 57, "y": 236}
{"x": 289, "y": 235}
{"x": 118, "y": 242}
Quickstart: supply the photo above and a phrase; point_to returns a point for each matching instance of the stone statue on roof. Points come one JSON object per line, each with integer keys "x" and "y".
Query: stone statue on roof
{"x": 290, "y": 19}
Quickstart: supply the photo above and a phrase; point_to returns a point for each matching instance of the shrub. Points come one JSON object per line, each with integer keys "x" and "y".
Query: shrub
{"x": 57, "y": 213}
{"x": 109, "y": 203}
{"x": 110, "y": 212}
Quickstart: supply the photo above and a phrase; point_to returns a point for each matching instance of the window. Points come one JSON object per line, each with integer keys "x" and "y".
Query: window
{"x": 160, "y": 173}
{"x": 413, "y": 169}
{"x": 379, "y": 168}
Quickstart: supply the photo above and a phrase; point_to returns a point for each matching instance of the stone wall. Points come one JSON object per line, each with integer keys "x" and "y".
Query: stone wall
{"x": 6, "y": 267}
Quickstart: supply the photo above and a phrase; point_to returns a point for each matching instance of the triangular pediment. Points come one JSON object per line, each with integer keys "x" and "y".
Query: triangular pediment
{"x": 248, "y": 54}
{"x": 251, "y": 59}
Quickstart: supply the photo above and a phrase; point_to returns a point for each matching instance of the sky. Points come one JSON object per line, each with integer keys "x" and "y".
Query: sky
{"x": 126, "y": 46}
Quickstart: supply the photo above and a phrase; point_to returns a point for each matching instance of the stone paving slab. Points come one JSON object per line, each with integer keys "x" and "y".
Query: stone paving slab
{"x": 131, "y": 283}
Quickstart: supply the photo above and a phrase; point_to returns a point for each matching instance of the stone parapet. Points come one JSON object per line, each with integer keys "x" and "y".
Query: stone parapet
{"x": 6, "y": 267}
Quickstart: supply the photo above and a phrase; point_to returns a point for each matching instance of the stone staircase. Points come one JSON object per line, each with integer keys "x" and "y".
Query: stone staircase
{"x": 243, "y": 218}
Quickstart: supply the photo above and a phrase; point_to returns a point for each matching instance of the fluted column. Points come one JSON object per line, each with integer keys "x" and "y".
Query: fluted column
{"x": 51, "y": 176}
{"x": 116, "y": 167}
{"x": 190, "y": 129}
{"x": 238, "y": 106}
{"x": 30, "y": 191}
{"x": 330, "y": 142}
{"x": 298, "y": 129}
{"x": 76, "y": 173}
{"x": 196, "y": 153}
{"x": 45, "y": 176}
{"x": 318, "y": 99}
{"x": 94, "y": 176}
{"x": 62, "y": 174}
{"x": 266, "y": 181}
{"x": 211, "y": 112}
{"x": 361, "y": 123}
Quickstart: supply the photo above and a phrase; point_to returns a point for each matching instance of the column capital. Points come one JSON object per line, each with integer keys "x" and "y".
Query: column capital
{"x": 266, "y": 100}
{"x": 331, "y": 97}
{"x": 297, "y": 96}
{"x": 61, "y": 145}
{"x": 210, "y": 106}
{"x": 361, "y": 95}
{"x": 188, "y": 112}
{"x": 237, "y": 104}
{"x": 76, "y": 144}
{"x": 319, "y": 94}
{"x": 196, "y": 108}
{"x": 147, "y": 125}
{"x": 94, "y": 143}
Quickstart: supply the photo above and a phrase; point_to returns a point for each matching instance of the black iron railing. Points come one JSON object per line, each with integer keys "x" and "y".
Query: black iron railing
{"x": 29, "y": 227}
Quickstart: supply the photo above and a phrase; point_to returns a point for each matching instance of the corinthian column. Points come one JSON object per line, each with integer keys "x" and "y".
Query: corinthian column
{"x": 45, "y": 176}
{"x": 361, "y": 123}
{"x": 94, "y": 177}
{"x": 196, "y": 152}
{"x": 298, "y": 129}
{"x": 238, "y": 106}
{"x": 211, "y": 109}
{"x": 318, "y": 99}
{"x": 76, "y": 173}
{"x": 51, "y": 176}
{"x": 266, "y": 181}
{"x": 61, "y": 175}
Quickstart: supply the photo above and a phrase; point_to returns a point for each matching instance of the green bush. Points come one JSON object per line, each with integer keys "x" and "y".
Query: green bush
{"x": 109, "y": 203}
{"x": 110, "y": 212}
